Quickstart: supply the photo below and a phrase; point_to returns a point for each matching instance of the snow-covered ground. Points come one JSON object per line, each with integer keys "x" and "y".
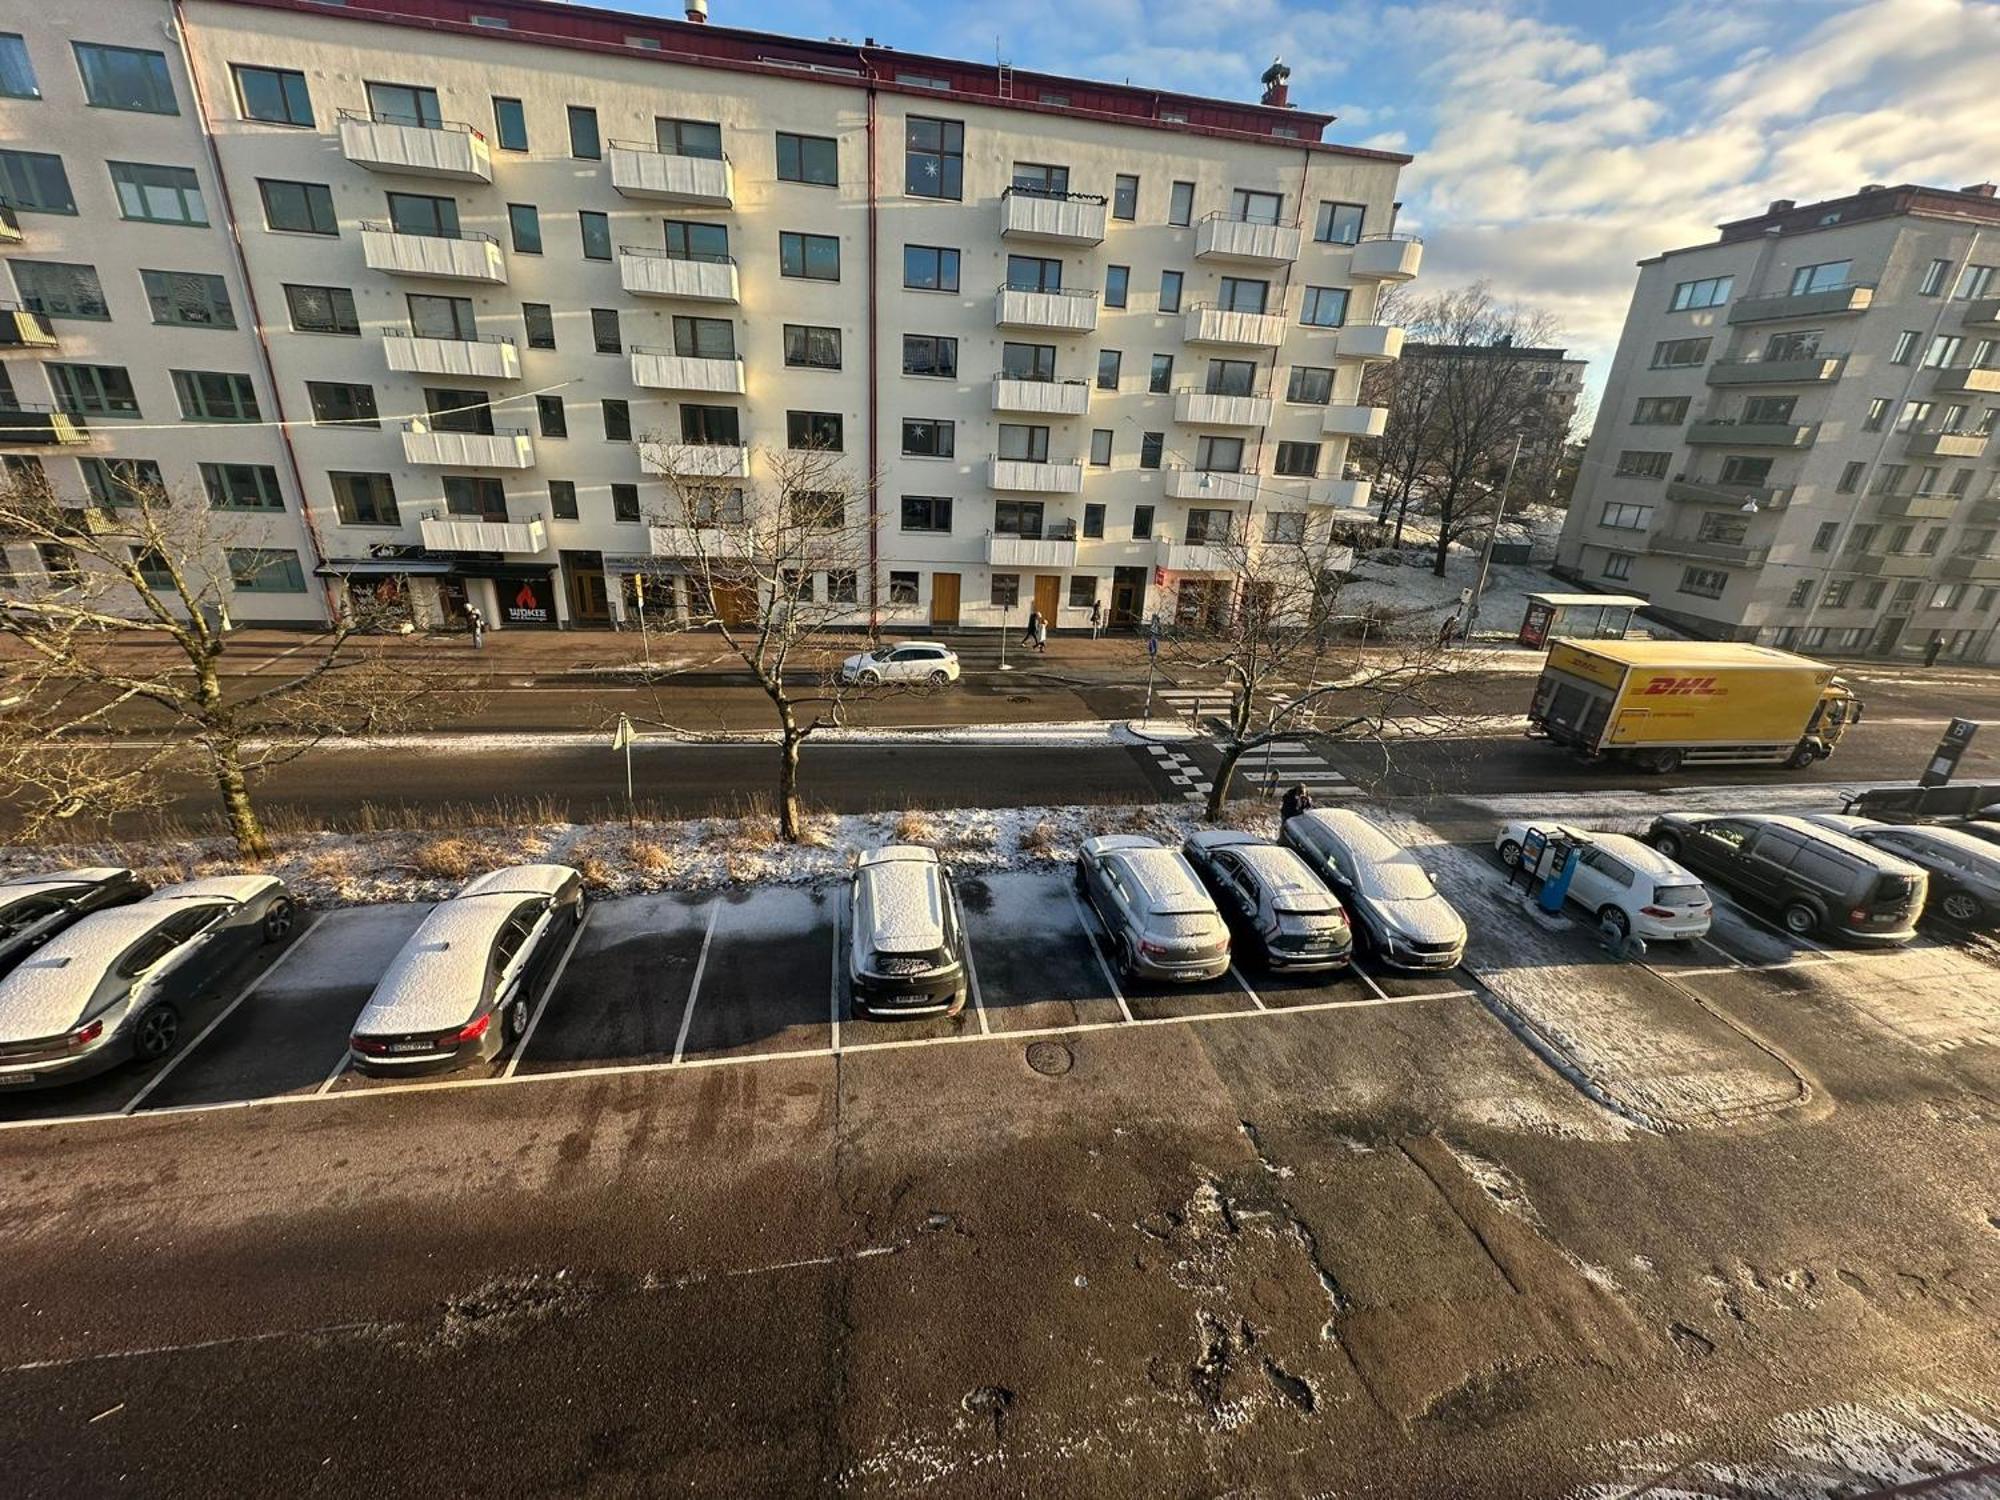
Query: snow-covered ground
{"x": 1401, "y": 583}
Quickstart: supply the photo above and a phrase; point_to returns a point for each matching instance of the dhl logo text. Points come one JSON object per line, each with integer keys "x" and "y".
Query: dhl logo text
{"x": 1682, "y": 687}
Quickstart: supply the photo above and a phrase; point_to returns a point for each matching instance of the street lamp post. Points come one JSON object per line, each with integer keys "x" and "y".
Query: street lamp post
{"x": 1492, "y": 535}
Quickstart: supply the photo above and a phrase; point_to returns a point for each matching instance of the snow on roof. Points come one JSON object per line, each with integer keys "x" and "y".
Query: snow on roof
{"x": 520, "y": 880}
{"x": 88, "y": 875}
{"x": 1107, "y": 843}
{"x": 439, "y": 978}
{"x": 1164, "y": 878}
{"x": 1842, "y": 842}
{"x": 45, "y": 994}
{"x": 1222, "y": 838}
{"x": 905, "y": 900}
{"x": 225, "y": 887}
{"x": 1291, "y": 882}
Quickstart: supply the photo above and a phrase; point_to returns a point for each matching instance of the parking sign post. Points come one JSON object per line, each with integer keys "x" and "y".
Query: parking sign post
{"x": 1152, "y": 656}
{"x": 622, "y": 740}
{"x": 1944, "y": 760}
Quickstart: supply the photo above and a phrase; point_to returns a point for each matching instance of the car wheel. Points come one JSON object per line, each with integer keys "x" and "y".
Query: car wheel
{"x": 1668, "y": 844}
{"x": 517, "y": 1019}
{"x": 940, "y": 678}
{"x": 1128, "y": 960}
{"x": 1960, "y": 906}
{"x": 1800, "y": 919}
{"x": 1616, "y": 920}
{"x": 278, "y": 921}
{"x": 869, "y": 678}
{"x": 1510, "y": 853}
{"x": 158, "y": 1030}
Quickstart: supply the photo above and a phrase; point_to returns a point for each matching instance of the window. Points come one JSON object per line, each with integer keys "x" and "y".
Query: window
{"x": 58, "y": 289}
{"x": 808, "y": 158}
{"x": 1659, "y": 411}
{"x": 1975, "y": 281}
{"x": 276, "y": 96}
{"x": 551, "y": 416}
{"x": 322, "y": 309}
{"x": 1298, "y": 460}
{"x": 1617, "y": 565}
{"x": 1324, "y": 307}
{"x": 540, "y": 324}
{"x": 157, "y": 195}
{"x": 1948, "y": 596}
{"x": 698, "y": 138}
{"x": 1802, "y": 344}
{"x": 1675, "y": 354}
{"x": 1906, "y": 346}
{"x": 813, "y": 429}
{"x": 122, "y": 481}
{"x": 1124, "y": 197}
{"x": 1033, "y": 273}
{"x": 814, "y": 257}
{"x": 1252, "y": 207}
{"x": 928, "y": 354}
{"x": 1740, "y": 470}
{"x": 1093, "y": 520}
{"x": 1943, "y": 351}
{"x": 1142, "y": 523}
{"x": 1723, "y": 526}
{"x": 1878, "y": 414}
{"x": 1339, "y": 224}
{"x": 926, "y": 513}
{"x": 604, "y": 330}
{"x": 1170, "y": 291}
{"x": 1028, "y": 361}
{"x": 1287, "y": 527}
{"x": 465, "y": 495}
{"x": 458, "y": 411}
{"x": 1238, "y": 294}
{"x": 262, "y": 570}
{"x": 562, "y": 499}
{"x": 17, "y": 73}
{"x": 928, "y": 437}
{"x": 1151, "y": 446}
{"x": 35, "y": 181}
{"x": 524, "y": 228}
{"x": 338, "y": 404}
{"x": 625, "y": 502}
{"x": 510, "y": 124}
{"x": 1821, "y": 278}
{"x": 1913, "y": 416}
{"x": 424, "y": 213}
{"x": 596, "y": 230}
{"x": 1707, "y": 583}
{"x": 1861, "y": 538}
{"x": 1040, "y": 180}
{"x": 93, "y": 390}
{"x": 433, "y": 316}
{"x": 1019, "y": 517}
{"x": 933, "y": 158}
{"x": 817, "y": 510}
{"x": 125, "y": 78}
{"x": 1761, "y": 411}
{"x": 842, "y": 586}
{"x": 405, "y": 104}
{"x": 1626, "y": 517}
{"x": 1109, "y": 362}
{"x": 1100, "y": 446}
{"x": 188, "y": 299}
{"x": 1850, "y": 477}
{"x": 617, "y": 420}
{"x": 298, "y": 207}
{"x": 714, "y": 425}
{"x": 812, "y": 348}
{"x": 930, "y": 268}
{"x": 1643, "y": 464}
{"x": 902, "y": 588}
{"x": 1117, "y": 283}
{"x": 583, "y": 142}
{"x": 1180, "y": 205}
{"x": 242, "y": 487}
{"x": 1219, "y": 455}
{"x": 1934, "y": 277}
{"x": 1311, "y": 384}
{"x": 1024, "y": 443}
{"x": 1712, "y": 291}
{"x": 1801, "y": 594}
{"x": 1160, "y": 378}
{"x": 1927, "y": 480}
{"x": 1231, "y": 377}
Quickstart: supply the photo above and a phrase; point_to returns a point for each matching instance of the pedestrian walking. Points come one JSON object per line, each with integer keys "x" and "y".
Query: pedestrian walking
{"x": 1931, "y": 651}
{"x": 477, "y": 621}
{"x": 1034, "y": 624}
{"x": 1039, "y": 629}
{"x": 1096, "y": 618}
{"x": 1297, "y": 800}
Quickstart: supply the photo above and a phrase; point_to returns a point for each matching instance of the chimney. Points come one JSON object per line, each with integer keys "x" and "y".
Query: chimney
{"x": 1873, "y": 187}
{"x": 1782, "y": 205}
{"x": 1277, "y": 85}
{"x": 1979, "y": 190}
{"x": 697, "y": 12}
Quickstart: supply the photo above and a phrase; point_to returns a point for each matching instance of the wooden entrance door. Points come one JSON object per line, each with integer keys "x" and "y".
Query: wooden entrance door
{"x": 944, "y": 600}
{"x": 736, "y": 603}
{"x": 1048, "y": 594}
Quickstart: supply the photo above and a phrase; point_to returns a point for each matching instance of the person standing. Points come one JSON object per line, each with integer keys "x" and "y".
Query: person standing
{"x": 1297, "y": 800}
{"x": 478, "y": 623}
{"x": 1096, "y": 618}
{"x": 1936, "y": 645}
{"x": 1038, "y": 627}
{"x": 1034, "y": 624}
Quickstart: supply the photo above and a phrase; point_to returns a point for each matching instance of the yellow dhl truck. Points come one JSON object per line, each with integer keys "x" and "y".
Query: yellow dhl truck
{"x": 1658, "y": 704}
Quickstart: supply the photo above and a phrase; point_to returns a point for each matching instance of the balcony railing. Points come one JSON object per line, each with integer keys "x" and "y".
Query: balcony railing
{"x": 661, "y": 371}
{"x": 492, "y": 358}
{"x": 1734, "y": 433}
{"x": 10, "y": 224}
{"x": 1984, "y": 512}
{"x": 1053, "y": 547}
{"x": 655, "y": 273}
{"x": 1368, "y": 341}
{"x": 450, "y": 149}
{"x": 1930, "y": 506}
{"x": 28, "y": 424}
{"x": 1815, "y": 369}
{"x": 1972, "y": 565}
{"x": 1386, "y": 257}
{"x": 1983, "y": 312}
{"x": 1210, "y": 555}
{"x": 1043, "y": 398}
{"x": 715, "y": 542}
{"x": 470, "y": 256}
{"x": 504, "y": 448}
{"x": 641, "y": 171}
{"x": 1065, "y": 310}
{"x": 448, "y": 533}
{"x": 1683, "y": 490}
{"x": 1731, "y": 554}
{"x": 1034, "y": 476}
{"x": 23, "y": 328}
{"x": 1973, "y": 380}
{"x": 1223, "y": 236}
{"x": 695, "y": 460}
{"x": 1218, "y": 485}
{"x": 1354, "y": 421}
{"x": 1207, "y": 324}
{"x": 1199, "y": 407}
{"x": 1946, "y": 444}
{"x": 1058, "y": 218}
{"x": 1824, "y": 302}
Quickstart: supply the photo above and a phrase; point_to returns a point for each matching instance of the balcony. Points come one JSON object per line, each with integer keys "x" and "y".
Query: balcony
{"x": 1368, "y": 341}
{"x": 1199, "y": 408}
{"x": 1968, "y": 565}
{"x": 1720, "y": 432}
{"x": 685, "y": 372}
{"x": 654, "y": 273}
{"x": 1119, "y": 552}
{"x": 1729, "y": 554}
{"x": 1032, "y": 477}
{"x": 1933, "y": 506}
{"x": 1051, "y": 312}
{"x": 721, "y": 542}
{"x": 1830, "y": 302}
{"x": 1969, "y": 381}
{"x": 1945, "y": 444}
{"x": 1387, "y": 257}
{"x": 1706, "y": 492}
{"x": 1221, "y": 237}
{"x": 1054, "y": 548}
{"x": 1042, "y": 398}
{"x": 1817, "y": 370}
{"x": 1892, "y": 565}
{"x": 508, "y": 449}
{"x": 10, "y": 224}
{"x": 1342, "y": 494}
{"x": 1214, "y": 485}
{"x": 1983, "y": 312}
{"x": 469, "y": 257}
{"x": 1204, "y": 324}
{"x": 1354, "y": 421}
{"x": 643, "y": 172}
{"x": 470, "y": 534}
{"x": 25, "y": 424}
{"x": 1197, "y": 556}
{"x": 23, "y": 329}
{"x": 479, "y": 359}
{"x": 1984, "y": 512}
{"x": 1053, "y": 218}
{"x": 451, "y": 150}
{"x": 695, "y": 460}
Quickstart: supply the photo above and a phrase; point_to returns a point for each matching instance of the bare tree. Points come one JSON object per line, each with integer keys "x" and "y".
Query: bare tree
{"x": 130, "y": 627}
{"x": 771, "y": 567}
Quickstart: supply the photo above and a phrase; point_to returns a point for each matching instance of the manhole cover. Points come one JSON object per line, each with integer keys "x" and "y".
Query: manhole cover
{"x": 1050, "y": 1058}
{"x": 1017, "y": 698}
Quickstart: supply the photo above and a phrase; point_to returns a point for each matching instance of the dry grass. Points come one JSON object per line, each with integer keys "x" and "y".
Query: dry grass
{"x": 648, "y": 857}
{"x": 445, "y": 859}
{"x": 978, "y": 837}
{"x": 915, "y": 827}
{"x": 1039, "y": 842}
{"x": 334, "y": 866}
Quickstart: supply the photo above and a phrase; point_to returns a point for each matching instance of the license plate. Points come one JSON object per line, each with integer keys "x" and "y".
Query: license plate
{"x": 411, "y": 1047}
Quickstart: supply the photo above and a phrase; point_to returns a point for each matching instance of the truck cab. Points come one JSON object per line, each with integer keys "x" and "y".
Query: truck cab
{"x": 1838, "y": 710}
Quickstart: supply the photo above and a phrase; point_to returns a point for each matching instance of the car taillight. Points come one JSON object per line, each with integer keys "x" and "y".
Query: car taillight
{"x": 83, "y": 1036}
{"x": 471, "y": 1031}
{"x": 1151, "y": 948}
{"x": 1859, "y": 914}
{"x": 1657, "y": 911}
{"x": 367, "y": 1044}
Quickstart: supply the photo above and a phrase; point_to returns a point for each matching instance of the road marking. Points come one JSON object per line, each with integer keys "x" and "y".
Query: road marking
{"x": 1726, "y": 955}
{"x": 840, "y": 899}
{"x": 1096, "y": 952}
{"x": 548, "y": 993}
{"x": 1369, "y": 980}
{"x": 972, "y": 978}
{"x": 346, "y": 1056}
{"x": 227, "y": 1011}
{"x": 1765, "y": 922}
{"x": 1244, "y": 984}
{"x": 694, "y": 989}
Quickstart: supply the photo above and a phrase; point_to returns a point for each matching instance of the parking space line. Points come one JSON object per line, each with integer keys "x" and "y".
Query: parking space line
{"x": 548, "y": 992}
{"x": 346, "y": 1057}
{"x": 1726, "y": 956}
{"x": 694, "y": 990}
{"x": 833, "y": 994}
{"x": 227, "y": 1011}
{"x": 972, "y": 978}
{"x": 1244, "y": 984}
{"x": 1369, "y": 980}
{"x": 1096, "y": 952}
{"x": 1765, "y": 922}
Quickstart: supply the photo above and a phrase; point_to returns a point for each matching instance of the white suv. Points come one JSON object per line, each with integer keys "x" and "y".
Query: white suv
{"x": 1624, "y": 883}
{"x": 930, "y": 662}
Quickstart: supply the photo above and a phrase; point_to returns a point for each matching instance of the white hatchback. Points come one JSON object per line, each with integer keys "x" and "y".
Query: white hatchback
{"x": 1624, "y": 883}
{"x": 929, "y": 662}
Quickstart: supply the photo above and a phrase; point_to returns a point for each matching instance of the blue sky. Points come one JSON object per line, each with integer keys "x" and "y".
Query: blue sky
{"x": 1556, "y": 142}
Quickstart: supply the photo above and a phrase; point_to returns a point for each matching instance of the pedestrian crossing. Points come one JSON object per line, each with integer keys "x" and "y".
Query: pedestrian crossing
{"x": 1195, "y": 703}
{"x": 1268, "y": 771}
{"x": 1183, "y": 771}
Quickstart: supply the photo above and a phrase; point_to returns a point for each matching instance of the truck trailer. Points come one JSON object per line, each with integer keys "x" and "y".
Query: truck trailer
{"x": 1660, "y": 704}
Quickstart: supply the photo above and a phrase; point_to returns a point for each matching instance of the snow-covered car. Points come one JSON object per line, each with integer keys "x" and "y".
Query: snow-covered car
{"x": 1273, "y": 897}
{"x": 34, "y": 908}
{"x": 1161, "y": 921}
{"x": 929, "y": 662}
{"x": 1398, "y": 914}
{"x": 1624, "y": 883}
{"x": 906, "y": 955}
{"x": 464, "y": 985}
{"x": 120, "y": 983}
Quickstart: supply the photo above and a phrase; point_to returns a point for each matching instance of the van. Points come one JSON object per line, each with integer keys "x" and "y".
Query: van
{"x": 1818, "y": 881}
{"x": 906, "y": 956}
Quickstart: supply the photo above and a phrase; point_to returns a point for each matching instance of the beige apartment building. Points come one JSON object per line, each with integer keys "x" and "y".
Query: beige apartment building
{"x": 434, "y": 292}
{"x": 1796, "y": 443}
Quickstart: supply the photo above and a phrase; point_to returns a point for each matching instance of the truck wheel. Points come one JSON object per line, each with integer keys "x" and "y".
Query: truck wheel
{"x": 1802, "y": 757}
{"x": 1663, "y": 762}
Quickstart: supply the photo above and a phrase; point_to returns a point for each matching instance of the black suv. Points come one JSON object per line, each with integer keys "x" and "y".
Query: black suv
{"x": 1818, "y": 881}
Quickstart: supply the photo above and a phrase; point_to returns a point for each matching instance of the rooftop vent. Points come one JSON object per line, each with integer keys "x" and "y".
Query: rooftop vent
{"x": 1782, "y": 205}
{"x": 1277, "y": 85}
{"x": 697, "y": 12}
{"x": 1872, "y": 187}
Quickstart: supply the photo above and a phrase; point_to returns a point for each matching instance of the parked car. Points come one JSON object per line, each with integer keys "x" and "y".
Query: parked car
{"x": 1817, "y": 880}
{"x": 464, "y": 986}
{"x": 929, "y": 662}
{"x": 1985, "y": 829}
{"x": 1624, "y": 883}
{"x": 906, "y": 955}
{"x": 1964, "y": 871}
{"x": 121, "y": 982}
{"x": 1161, "y": 921}
{"x": 1272, "y": 897}
{"x": 34, "y": 908}
{"x": 1395, "y": 908}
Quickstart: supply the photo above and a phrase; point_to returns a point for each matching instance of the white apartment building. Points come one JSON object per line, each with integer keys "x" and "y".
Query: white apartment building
{"x": 434, "y": 290}
{"x": 1796, "y": 443}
